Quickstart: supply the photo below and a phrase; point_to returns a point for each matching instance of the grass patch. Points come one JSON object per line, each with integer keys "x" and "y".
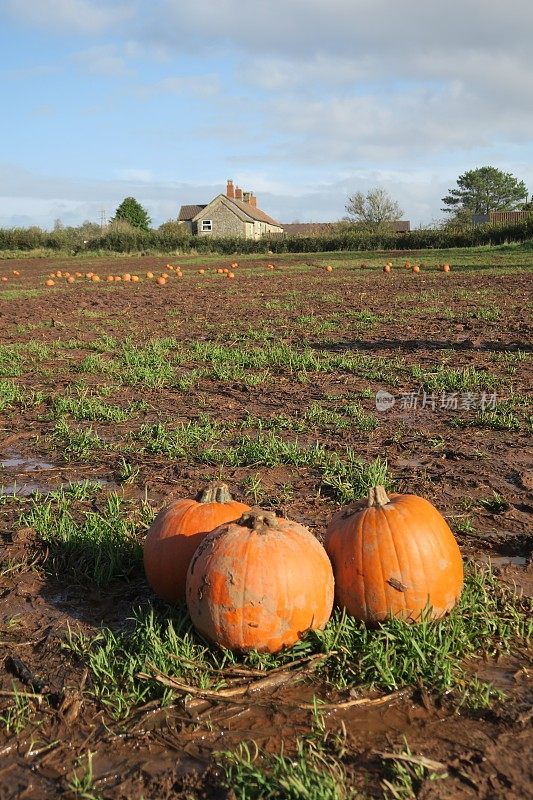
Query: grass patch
{"x": 18, "y": 294}
{"x": 489, "y": 619}
{"x": 501, "y": 418}
{"x": 81, "y": 444}
{"x": 448, "y": 379}
{"x": 314, "y": 772}
{"x": 181, "y": 441}
{"x": 488, "y": 314}
{"x": 92, "y": 409}
{"x": 94, "y": 547}
{"x": 10, "y": 361}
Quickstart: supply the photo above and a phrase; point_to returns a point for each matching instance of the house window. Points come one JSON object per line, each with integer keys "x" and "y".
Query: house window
{"x": 207, "y": 225}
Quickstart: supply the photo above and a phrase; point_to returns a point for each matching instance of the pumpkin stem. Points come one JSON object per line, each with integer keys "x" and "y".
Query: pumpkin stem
{"x": 258, "y": 520}
{"x": 216, "y": 492}
{"x": 377, "y": 496}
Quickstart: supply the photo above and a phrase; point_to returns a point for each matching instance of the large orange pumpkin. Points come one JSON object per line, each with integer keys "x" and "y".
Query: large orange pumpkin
{"x": 393, "y": 557}
{"x": 259, "y": 583}
{"x": 177, "y": 531}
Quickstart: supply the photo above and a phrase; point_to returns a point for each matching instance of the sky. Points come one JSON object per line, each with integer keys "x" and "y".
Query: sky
{"x": 303, "y": 102}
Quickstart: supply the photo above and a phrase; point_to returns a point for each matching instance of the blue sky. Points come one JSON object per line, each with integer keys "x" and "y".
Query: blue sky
{"x": 301, "y": 101}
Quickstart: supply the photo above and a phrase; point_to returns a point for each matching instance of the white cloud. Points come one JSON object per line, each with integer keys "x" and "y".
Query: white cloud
{"x": 76, "y": 16}
{"x": 104, "y": 59}
{"x": 135, "y": 174}
{"x": 199, "y": 85}
{"x": 28, "y": 198}
{"x": 351, "y": 28}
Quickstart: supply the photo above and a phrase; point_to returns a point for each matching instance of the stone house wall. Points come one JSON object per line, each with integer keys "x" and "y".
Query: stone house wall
{"x": 225, "y": 223}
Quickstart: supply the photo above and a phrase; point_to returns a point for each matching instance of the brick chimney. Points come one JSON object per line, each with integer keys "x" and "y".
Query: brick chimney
{"x": 230, "y": 190}
{"x": 246, "y": 197}
{"x": 238, "y": 193}
{"x": 253, "y": 200}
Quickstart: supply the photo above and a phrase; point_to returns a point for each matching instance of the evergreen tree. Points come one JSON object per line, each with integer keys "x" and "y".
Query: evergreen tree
{"x": 132, "y": 212}
{"x": 486, "y": 189}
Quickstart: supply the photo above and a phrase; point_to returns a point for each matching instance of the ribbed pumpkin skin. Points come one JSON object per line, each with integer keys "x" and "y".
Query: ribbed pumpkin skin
{"x": 173, "y": 538}
{"x": 259, "y": 589}
{"x": 394, "y": 559}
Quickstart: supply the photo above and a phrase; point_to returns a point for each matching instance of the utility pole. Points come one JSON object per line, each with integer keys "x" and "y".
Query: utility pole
{"x": 102, "y": 219}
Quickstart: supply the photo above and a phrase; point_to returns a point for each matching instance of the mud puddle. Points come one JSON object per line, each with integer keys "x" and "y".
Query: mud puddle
{"x": 19, "y": 466}
{"x": 26, "y": 464}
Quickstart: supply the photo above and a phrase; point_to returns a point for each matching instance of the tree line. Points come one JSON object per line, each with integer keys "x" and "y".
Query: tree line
{"x": 478, "y": 192}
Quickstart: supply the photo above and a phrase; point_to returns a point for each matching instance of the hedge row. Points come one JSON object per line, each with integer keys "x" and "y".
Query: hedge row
{"x": 128, "y": 241}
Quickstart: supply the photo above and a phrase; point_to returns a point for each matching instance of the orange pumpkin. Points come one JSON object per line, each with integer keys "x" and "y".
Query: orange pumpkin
{"x": 49, "y": 282}
{"x": 201, "y": 272}
{"x": 416, "y": 268}
{"x": 161, "y": 281}
{"x": 393, "y": 557}
{"x": 386, "y": 268}
{"x": 177, "y": 531}
{"x": 149, "y": 274}
{"x": 329, "y": 268}
{"x": 445, "y": 267}
{"x": 259, "y": 583}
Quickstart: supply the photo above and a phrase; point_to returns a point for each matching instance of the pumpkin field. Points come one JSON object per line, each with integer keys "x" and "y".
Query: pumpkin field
{"x": 294, "y": 401}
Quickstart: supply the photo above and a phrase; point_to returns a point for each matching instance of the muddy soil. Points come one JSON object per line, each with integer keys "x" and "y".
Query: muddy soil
{"x": 463, "y": 319}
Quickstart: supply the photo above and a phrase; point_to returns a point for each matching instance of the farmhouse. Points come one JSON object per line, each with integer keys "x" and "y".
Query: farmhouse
{"x": 232, "y": 214}
{"x": 501, "y": 218}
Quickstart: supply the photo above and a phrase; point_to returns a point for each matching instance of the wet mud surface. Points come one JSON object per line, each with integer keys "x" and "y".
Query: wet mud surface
{"x": 167, "y": 752}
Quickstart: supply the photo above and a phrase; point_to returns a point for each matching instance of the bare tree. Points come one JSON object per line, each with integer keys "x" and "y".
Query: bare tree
{"x": 373, "y": 210}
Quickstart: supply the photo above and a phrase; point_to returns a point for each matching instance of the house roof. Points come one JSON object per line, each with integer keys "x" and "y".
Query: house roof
{"x": 401, "y": 226}
{"x": 254, "y": 212}
{"x": 242, "y": 209}
{"x": 187, "y": 213}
